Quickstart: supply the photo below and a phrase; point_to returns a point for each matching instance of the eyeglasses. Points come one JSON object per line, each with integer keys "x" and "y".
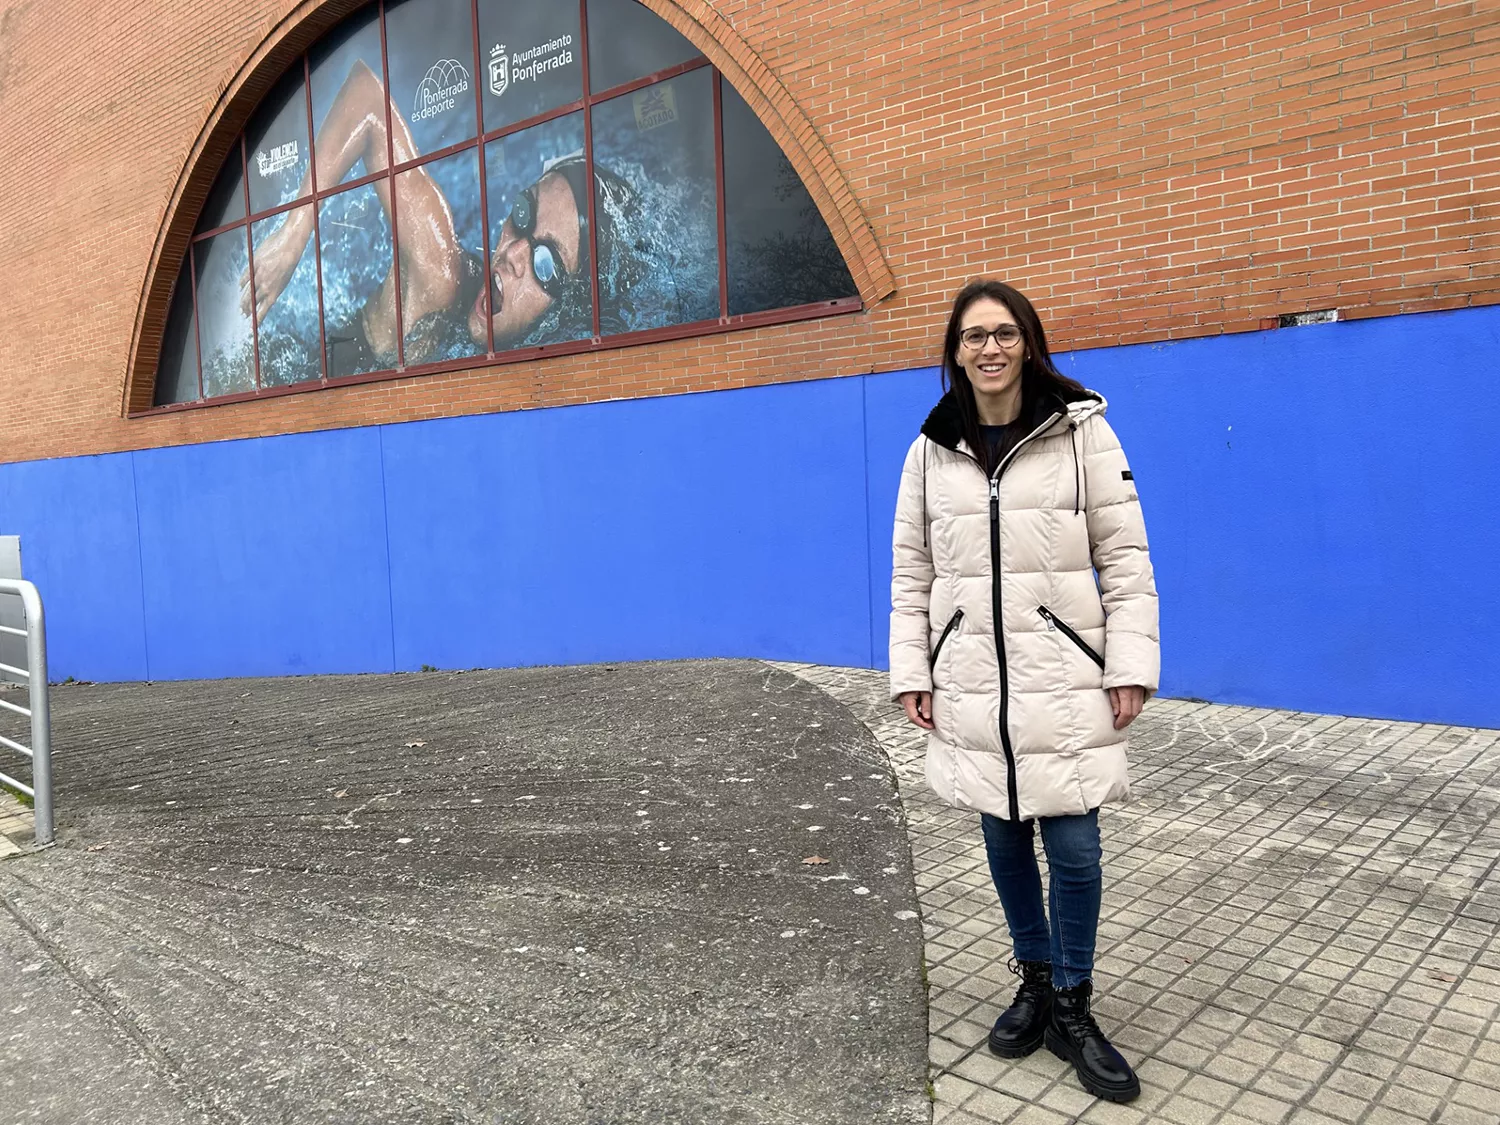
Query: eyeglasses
{"x": 546, "y": 258}
{"x": 1007, "y": 336}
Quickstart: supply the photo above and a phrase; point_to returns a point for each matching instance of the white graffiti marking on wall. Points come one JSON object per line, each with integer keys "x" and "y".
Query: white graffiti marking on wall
{"x": 439, "y": 90}
{"x": 528, "y": 65}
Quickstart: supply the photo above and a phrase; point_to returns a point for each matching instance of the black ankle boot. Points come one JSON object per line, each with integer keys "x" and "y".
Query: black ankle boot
{"x": 1074, "y": 1037}
{"x": 1020, "y": 1028}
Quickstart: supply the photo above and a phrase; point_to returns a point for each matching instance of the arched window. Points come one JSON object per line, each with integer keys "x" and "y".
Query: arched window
{"x": 449, "y": 183}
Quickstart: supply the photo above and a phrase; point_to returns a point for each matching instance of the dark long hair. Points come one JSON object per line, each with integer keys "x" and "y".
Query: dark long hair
{"x": 1040, "y": 377}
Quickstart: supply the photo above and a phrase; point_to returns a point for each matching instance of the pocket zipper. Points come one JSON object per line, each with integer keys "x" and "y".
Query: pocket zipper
{"x": 1055, "y": 622}
{"x": 958, "y": 615}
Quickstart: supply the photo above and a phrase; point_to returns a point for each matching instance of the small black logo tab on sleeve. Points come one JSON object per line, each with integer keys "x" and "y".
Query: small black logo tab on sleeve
{"x": 1127, "y": 475}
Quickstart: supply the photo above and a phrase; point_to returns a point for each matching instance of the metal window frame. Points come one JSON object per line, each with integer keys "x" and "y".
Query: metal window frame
{"x": 38, "y": 708}
{"x": 481, "y": 139}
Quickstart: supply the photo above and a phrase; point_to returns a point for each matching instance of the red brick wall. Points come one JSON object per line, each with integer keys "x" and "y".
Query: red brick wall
{"x": 1144, "y": 170}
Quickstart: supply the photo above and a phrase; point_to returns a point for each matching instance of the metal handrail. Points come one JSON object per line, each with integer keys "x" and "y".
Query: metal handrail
{"x": 38, "y": 708}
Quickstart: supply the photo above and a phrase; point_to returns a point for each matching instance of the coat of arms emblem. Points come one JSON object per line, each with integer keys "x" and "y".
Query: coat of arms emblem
{"x": 499, "y": 69}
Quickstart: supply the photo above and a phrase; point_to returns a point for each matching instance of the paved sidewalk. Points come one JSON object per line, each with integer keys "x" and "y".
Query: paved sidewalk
{"x": 17, "y": 826}
{"x": 1300, "y": 924}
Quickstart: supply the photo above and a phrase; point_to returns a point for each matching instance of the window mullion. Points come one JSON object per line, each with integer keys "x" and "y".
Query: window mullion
{"x": 312, "y": 170}
{"x": 564, "y": 110}
{"x": 390, "y": 169}
{"x": 719, "y": 194}
{"x": 197, "y": 336}
{"x": 588, "y": 159}
{"x": 663, "y": 75}
{"x": 250, "y": 265}
{"x": 484, "y": 191}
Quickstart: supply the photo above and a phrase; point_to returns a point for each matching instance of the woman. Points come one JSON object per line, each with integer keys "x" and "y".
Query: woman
{"x": 1017, "y": 507}
{"x": 540, "y": 276}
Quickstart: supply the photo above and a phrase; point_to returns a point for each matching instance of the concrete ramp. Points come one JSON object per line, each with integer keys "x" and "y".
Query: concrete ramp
{"x": 549, "y": 895}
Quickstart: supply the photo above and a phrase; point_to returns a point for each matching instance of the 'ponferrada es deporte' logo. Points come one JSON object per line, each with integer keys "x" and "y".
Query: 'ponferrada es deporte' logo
{"x": 439, "y": 90}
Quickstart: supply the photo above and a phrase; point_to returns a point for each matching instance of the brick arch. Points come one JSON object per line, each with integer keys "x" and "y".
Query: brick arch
{"x": 292, "y": 34}
{"x": 712, "y": 34}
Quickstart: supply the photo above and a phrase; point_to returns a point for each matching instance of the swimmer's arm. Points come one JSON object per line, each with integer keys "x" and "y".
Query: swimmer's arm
{"x": 355, "y": 130}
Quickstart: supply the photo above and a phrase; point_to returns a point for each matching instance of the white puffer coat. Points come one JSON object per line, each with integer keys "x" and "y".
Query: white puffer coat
{"x": 1024, "y": 728}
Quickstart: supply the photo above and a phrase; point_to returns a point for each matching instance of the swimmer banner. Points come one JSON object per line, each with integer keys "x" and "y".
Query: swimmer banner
{"x": 426, "y": 187}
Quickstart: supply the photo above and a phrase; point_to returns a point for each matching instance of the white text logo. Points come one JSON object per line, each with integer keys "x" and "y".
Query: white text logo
{"x": 277, "y": 159}
{"x": 528, "y": 65}
{"x": 438, "y": 92}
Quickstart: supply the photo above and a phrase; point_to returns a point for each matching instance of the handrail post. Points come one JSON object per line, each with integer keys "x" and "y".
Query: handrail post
{"x": 40, "y": 708}
{"x": 41, "y": 712}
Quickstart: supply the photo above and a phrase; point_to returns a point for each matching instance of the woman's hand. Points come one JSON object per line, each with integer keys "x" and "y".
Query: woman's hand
{"x": 918, "y": 706}
{"x": 1126, "y": 703}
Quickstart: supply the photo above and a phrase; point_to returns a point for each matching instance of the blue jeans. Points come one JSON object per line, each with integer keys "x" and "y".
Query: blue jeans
{"x": 1073, "y": 855}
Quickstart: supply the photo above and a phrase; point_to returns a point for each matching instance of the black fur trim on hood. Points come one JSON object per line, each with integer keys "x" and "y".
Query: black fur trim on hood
{"x": 944, "y": 424}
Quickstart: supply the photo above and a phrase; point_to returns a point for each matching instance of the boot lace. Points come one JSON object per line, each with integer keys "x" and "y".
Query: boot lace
{"x": 1079, "y": 1021}
{"x": 1035, "y": 976}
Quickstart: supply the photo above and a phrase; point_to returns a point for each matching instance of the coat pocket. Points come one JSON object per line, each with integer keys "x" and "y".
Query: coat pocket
{"x": 1055, "y": 622}
{"x": 948, "y": 630}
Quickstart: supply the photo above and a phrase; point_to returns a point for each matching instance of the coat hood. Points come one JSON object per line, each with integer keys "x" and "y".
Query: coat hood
{"x": 944, "y": 425}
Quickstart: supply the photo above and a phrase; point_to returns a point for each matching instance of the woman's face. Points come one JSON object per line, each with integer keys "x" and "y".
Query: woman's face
{"x": 993, "y": 368}
{"x": 518, "y": 297}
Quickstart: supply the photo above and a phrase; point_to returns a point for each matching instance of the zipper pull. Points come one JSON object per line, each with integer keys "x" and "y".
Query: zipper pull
{"x": 1048, "y": 618}
{"x": 994, "y": 488}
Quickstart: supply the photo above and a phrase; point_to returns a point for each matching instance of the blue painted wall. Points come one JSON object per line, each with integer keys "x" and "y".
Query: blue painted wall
{"x": 1316, "y": 500}
{"x": 264, "y": 557}
{"x": 702, "y": 525}
{"x": 1322, "y": 509}
{"x": 80, "y": 543}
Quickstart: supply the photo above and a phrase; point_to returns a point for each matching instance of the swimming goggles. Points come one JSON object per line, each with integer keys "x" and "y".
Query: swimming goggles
{"x": 546, "y": 258}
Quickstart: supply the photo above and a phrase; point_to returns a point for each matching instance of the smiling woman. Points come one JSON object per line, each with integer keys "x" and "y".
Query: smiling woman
{"x": 363, "y": 225}
{"x": 1024, "y": 641}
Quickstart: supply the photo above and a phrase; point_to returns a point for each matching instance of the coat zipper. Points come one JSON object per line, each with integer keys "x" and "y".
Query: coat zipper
{"x": 999, "y": 619}
{"x": 1010, "y": 754}
{"x": 958, "y": 615}
{"x": 1054, "y": 621}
